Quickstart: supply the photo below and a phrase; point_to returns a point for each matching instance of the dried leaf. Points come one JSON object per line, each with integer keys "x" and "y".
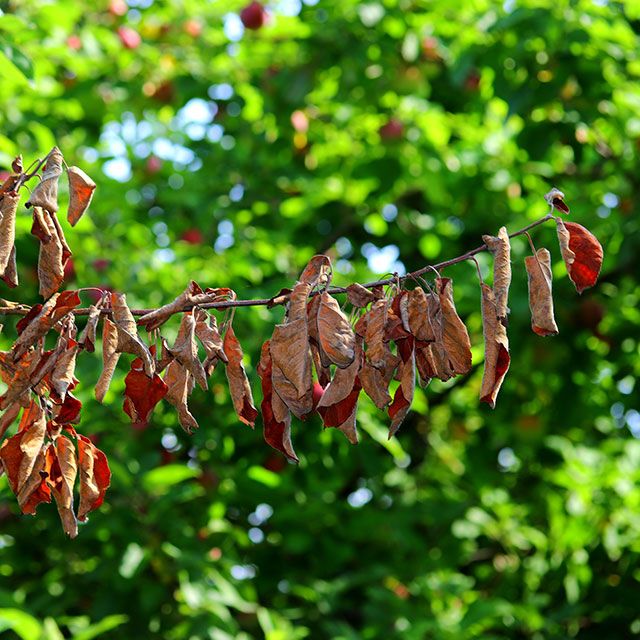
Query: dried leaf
{"x": 359, "y": 296}
{"x": 403, "y": 396}
{"x": 52, "y": 257}
{"x": 275, "y": 414}
{"x": 87, "y": 338}
{"x": 180, "y": 383}
{"x": 110, "y": 357}
{"x": 377, "y": 349}
{"x": 540, "y": 297}
{"x": 81, "y": 188}
{"x": 581, "y": 252}
{"x": 238, "y": 383}
{"x": 95, "y": 476}
{"x": 338, "y": 403}
{"x": 185, "y": 350}
{"x": 555, "y": 198}
{"x": 496, "y": 348}
{"x": 455, "y": 337}
{"x": 67, "y": 412}
{"x": 62, "y": 374}
{"x": 317, "y": 272}
{"x": 8, "y": 207}
{"x": 425, "y": 362}
{"x": 501, "y": 250}
{"x": 207, "y": 332}
{"x": 62, "y": 477}
{"x": 128, "y": 340}
{"x": 336, "y": 337}
{"x": 418, "y": 316}
{"x": 45, "y": 194}
{"x": 10, "y": 414}
{"x": 36, "y": 490}
{"x": 10, "y": 275}
{"x": 142, "y": 393}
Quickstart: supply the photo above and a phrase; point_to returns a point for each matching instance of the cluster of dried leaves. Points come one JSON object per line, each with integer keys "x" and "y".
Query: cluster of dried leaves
{"x": 317, "y": 361}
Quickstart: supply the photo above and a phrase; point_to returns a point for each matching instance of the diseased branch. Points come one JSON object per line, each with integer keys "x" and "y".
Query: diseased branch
{"x": 22, "y": 310}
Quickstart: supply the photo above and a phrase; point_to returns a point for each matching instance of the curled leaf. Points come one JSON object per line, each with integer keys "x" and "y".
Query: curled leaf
{"x": 180, "y": 383}
{"x": 81, "y": 188}
{"x": 95, "y": 477}
{"x": 87, "y": 338}
{"x": 53, "y": 254}
{"x": 185, "y": 350}
{"x": 45, "y": 194}
{"x": 359, "y": 296}
{"x": 377, "y": 349}
{"x": 581, "y": 252}
{"x": 540, "y": 298}
{"x": 63, "y": 369}
{"x": 455, "y": 337}
{"x": 8, "y": 207}
{"x": 335, "y": 334}
{"x": 142, "y": 393}
{"x": 496, "y": 348}
{"x": 128, "y": 340}
{"x": 418, "y": 315}
{"x": 555, "y": 198}
{"x": 110, "y": 357}
{"x": 403, "y": 396}
{"x": 238, "y": 382}
{"x": 10, "y": 274}
{"x": 62, "y": 477}
{"x": 207, "y": 332}
{"x": 501, "y": 250}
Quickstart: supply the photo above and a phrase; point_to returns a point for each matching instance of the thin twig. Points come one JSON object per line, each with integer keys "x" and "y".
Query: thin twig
{"x": 226, "y": 304}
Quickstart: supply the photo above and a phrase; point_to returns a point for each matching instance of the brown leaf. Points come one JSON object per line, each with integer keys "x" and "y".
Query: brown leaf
{"x": 10, "y": 275}
{"x": 418, "y": 316}
{"x": 555, "y": 198}
{"x": 207, "y": 332}
{"x": 45, "y": 194}
{"x": 180, "y": 383}
{"x": 455, "y": 337}
{"x": 238, "y": 383}
{"x": 36, "y": 490}
{"x": 540, "y": 297}
{"x": 501, "y": 250}
{"x": 52, "y": 257}
{"x": 336, "y": 337}
{"x": 581, "y": 252}
{"x": 185, "y": 350}
{"x": 275, "y": 414}
{"x": 110, "y": 357}
{"x": 81, "y": 188}
{"x": 19, "y": 453}
{"x": 128, "y": 340}
{"x": 62, "y": 477}
{"x": 338, "y": 403}
{"x": 8, "y": 207}
{"x": 317, "y": 272}
{"x": 403, "y": 396}
{"x": 62, "y": 374}
{"x": 8, "y": 417}
{"x": 359, "y": 296}
{"x": 95, "y": 477}
{"x": 142, "y": 393}
{"x": 87, "y": 338}
{"x": 67, "y": 412}
{"x": 496, "y": 348}
{"x": 377, "y": 349}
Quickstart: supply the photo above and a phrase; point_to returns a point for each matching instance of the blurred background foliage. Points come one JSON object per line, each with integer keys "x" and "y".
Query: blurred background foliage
{"x": 387, "y": 133}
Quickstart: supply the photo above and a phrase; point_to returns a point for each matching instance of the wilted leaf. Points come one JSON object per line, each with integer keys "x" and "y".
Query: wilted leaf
{"x": 359, "y": 296}
{"x": 455, "y": 338}
{"x": 418, "y": 315}
{"x": 10, "y": 414}
{"x": 207, "y": 332}
{"x": 540, "y": 297}
{"x": 36, "y": 490}
{"x": 317, "y": 272}
{"x": 53, "y": 252}
{"x": 238, "y": 382}
{"x": 180, "y": 383}
{"x": 335, "y": 334}
{"x": 95, "y": 477}
{"x": 338, "y": 403}
{"x": 496, "y": 348}
{"x": 128, "y": 340}
{"x": 8, "y": 207}
{"x": 87, "y": 338}
{"x": 403, "y": 396}
{"x": 555, "y": 198}
{"x": 501, "y": 250}
{"x": 426, "y": 363}
{"x": 581, "y": 252}
{"x": 62, "y": 374}
{"x": 110, "y": 357}
{"x": 68, "y": 412}
{"x": 62, "y": 477}
{"x": 81, "y": 188}
{"x": 142, "y": 393}
{"x": 376, "y": 353}
{"x": 45, "y": 194}
{"x": 185, "y": 350}
{"x": 10, "y": 274}
{"x": 277, "y": 430}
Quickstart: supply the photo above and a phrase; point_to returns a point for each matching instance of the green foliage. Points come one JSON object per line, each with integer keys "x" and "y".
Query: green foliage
{"x": 521, "y": 522}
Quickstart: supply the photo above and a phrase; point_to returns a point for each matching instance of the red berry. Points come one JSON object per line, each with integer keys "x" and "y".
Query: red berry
{"x": 192, "y": 236}
{"x": 118, "y": 7}
{"x": 392, "y": 130}
{"x": 253, "y": 16}
{"x": 154, "y": 164}
{"x": 74, "y": 42}
{"x": 129, "y": 37}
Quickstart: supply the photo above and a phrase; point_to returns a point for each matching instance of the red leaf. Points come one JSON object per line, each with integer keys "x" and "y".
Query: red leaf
{"x": 582, "y": 254}
{"x": 95, "y": 476}
{"x": 21, "y": 325}
{"x": 141, "y": 393}
{"x": 335, "y": 414}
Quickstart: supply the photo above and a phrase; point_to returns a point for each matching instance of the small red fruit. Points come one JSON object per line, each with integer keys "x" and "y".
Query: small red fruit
{"x": 74, "y": 42}
{"x": 154, "y": 164}
{"x": 392, "y": 130}
{"x": 118, "y": 7}
{"x": 192, "y": 236}
{"x": 129, "y": 37}
{"x": 192, "y": 28}
{"x": 253, "y": 16}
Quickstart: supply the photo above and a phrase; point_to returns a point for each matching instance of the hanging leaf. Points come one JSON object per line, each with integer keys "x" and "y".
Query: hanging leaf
{"x": 581, "y": 252}
{"x": 496, "y": 348}
{"x": 8, "y": 207}
{"x": 238, "y": 383}
{"x": 54, "y": 252}
{"x": 95, "y": 477}
{"x": 81, "y": 188}
{"x": 207, "y": 332}
{"x": 418, "y": 315}
{"x": 376, "y": 353}
{"x": 67, "y": 412}
{"x": 501, "y": 250}
{"x": 359, "y": 296}
{"x": 62, "y": 476}
{"x": 110, "y": 357}
{"x": 10, "y": 182}
{"x": 317, "y": 272}
{"x": 185, "y": 350}
{"x": 338, "y": 403}
{"x": 10, "y": 274}
{"x": 8, "y": 417}
{"x": 540, "y": 297}
{"x": 45, "y": 194}
{"x": 336, "y": 336}
{"x": 180, "y": 383}
{"x": 403, "y": 396}
{"x": 142, "y": 393}
{"x": 455, "y": 337}
{"x": 275, "y": 414}
{"x": 128, "y": 340}
{"x": 87, "y": 338}
{"x": 62, "y": 378}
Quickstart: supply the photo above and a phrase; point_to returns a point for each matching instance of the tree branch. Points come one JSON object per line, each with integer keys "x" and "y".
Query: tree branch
{"x": 22, "y": 310}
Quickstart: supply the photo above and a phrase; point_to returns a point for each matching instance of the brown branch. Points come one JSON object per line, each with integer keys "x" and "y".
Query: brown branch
{"x": 22, "y": 310}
